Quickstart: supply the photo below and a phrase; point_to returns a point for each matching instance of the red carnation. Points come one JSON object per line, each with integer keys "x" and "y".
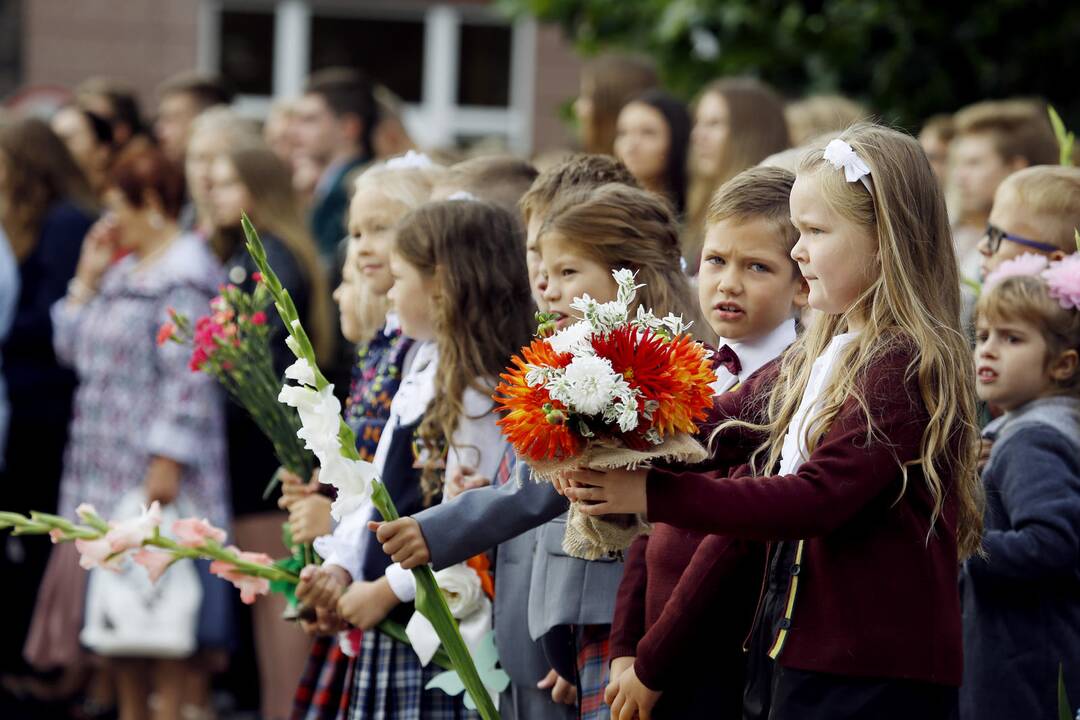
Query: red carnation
{"x": 258, "y": 318}
{"x": 165, "y": 333}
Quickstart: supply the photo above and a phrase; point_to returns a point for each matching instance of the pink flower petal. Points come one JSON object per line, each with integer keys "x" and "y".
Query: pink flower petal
{"x": 192, "y": 532}
{"x": 155, "y": 562}
{"x": 1063, "y": 281}
{"x": 1028, "y": 264}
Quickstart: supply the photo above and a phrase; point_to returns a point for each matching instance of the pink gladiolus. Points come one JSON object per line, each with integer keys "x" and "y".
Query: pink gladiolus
{"x": 95, "y": 553}
{"x": 198, "y": 359}
{"x": 85, "y": 509}
{"x": 191, "y": 532}
{"x": 131, "y": 533}
{"x": 56, "y": 535}
{"x": 258, "y": 318}
{"x": 249, "y": 587}
{"x": 155, "y": 562}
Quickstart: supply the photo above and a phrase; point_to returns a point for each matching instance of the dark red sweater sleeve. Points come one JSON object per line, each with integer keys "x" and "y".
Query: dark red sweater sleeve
{"x": 628, "y": 625}
{"x": 717, "y": 558}
{"x": 843, "y": 474}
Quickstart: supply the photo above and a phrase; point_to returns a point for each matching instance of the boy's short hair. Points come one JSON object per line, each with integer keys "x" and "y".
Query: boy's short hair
{"x": 574, "y": 173}
{"x": 1026, "y": 298}
{"x": 760, "y": 192}
{"x": 1019, "y": 128}
{"x": 1051, "y": 193}
{"x": 498, "y": 179}
{"x": 206, "y": 90}
{"x": 942, "y": 125}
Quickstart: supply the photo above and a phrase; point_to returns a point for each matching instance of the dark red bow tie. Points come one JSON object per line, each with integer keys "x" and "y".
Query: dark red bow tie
{"x": 727, "y": 359}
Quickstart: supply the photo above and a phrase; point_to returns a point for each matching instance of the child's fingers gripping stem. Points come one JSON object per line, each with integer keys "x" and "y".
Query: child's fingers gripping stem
{"x": 403, "y": 541}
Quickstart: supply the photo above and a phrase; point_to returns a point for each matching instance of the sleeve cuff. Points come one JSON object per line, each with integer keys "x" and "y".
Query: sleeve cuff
{"x": 401, "y": 582}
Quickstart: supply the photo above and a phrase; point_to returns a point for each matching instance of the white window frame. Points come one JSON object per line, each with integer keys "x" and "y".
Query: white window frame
{"x": 437, "y": 119}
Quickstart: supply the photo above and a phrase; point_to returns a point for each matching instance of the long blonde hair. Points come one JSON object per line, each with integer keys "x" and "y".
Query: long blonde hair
{"x": 409, "y": 186}
{"x": 276, "y": 209}
{"x": 912, "y": 306}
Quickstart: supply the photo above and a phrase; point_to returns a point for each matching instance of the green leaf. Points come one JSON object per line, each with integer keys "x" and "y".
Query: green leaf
{"x": 1065, "y": 138}
{"x": 1064, "y": 709}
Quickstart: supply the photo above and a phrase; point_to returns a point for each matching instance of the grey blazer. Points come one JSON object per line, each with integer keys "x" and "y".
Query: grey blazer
{"x": 505, "y": 516}
{"x": 539, "y": 586}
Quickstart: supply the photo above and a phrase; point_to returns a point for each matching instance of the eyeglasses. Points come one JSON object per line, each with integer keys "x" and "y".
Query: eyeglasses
{"x": 994, "y": 236}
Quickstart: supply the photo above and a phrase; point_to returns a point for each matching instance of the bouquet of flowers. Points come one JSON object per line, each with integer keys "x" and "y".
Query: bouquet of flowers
{"x": 231, "y": 344}
{"x": 612, "y": 390}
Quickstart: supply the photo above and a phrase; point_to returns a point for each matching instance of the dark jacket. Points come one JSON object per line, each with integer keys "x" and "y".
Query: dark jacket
{"x": 877, "y": 589}
{"x": 328, "y": 218}
{"x": 1022, "y": 601}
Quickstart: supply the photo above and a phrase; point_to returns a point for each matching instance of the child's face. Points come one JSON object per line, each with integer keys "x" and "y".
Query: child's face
{"x": 837, "y": 257}
{"x": 977, "y": 169}
{"x": 413, "y": 298}
{"x": 372, "y": 217}
{"x": 570, "y": 275}
{"x": 346, "y": 297}
{"x": 537, "y": 280}
{"x": 642, "y": 140}
{"x": 1012, "y": 366}
{"x": 746, "y": 284}
{"x": 229, "y": 197}
{"x": 1009, "y": 215}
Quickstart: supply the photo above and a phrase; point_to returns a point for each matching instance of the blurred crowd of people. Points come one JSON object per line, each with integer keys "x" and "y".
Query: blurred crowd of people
{"x": 108, "y": 220}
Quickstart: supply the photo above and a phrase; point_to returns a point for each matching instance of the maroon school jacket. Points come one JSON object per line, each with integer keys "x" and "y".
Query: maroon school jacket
{"x": 876, "y": 592}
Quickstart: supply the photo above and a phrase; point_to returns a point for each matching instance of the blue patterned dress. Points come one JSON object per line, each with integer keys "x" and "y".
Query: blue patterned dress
{"x": 137, "y": 400}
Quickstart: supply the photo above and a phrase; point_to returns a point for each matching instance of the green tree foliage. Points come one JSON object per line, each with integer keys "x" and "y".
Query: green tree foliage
{"x": 906, "y": 59}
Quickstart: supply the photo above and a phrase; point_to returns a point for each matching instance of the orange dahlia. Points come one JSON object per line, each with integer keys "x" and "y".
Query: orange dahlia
{"x": 532, "y": 419}
{"x": 675, "y": 375}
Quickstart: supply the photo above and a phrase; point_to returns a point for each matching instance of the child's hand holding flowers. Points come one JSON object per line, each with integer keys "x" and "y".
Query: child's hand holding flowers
{"x": 403, "y": 541}
{"x": 366, "y": 604}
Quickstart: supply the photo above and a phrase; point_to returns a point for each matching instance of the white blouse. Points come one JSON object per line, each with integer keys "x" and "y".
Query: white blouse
{"x": 794, "y": 452}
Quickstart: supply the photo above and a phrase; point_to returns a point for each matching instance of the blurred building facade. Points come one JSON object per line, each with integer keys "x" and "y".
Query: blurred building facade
{"x": 464, "y": 72}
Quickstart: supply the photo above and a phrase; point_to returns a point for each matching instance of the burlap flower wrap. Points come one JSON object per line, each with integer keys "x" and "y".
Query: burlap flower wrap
{"x": 591, "y": 538}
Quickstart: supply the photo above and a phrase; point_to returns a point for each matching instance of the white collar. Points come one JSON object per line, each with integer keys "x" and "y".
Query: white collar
{"x": 755, "y": 354}
{"x": 392, "y": 325}
{"x": 417, "y": 388}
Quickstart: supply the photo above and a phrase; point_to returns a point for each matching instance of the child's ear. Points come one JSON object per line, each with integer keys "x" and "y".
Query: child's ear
{"x": 1065, "y": 365}
{"x": 802, "y": 295}
{"x": 1057, "y": 255}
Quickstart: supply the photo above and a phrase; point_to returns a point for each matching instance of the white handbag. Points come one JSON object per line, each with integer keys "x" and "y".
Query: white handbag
{"x": 129, "y": 616}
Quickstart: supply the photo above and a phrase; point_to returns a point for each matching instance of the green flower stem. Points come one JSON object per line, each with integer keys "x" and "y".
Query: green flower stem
{"x": 429, "y": 599}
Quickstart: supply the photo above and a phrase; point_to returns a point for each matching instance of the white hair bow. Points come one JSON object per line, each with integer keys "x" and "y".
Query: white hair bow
{"x": 463, "y": 196}
{"x": 411, "y": 160}
{"x": 843, "y": 157}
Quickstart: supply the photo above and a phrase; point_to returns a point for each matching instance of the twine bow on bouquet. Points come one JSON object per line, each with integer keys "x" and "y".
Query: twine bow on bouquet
{"x": 608, "y": 391}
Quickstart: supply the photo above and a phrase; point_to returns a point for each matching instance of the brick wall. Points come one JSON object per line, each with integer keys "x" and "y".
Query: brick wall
{"x": 141, "y": 42}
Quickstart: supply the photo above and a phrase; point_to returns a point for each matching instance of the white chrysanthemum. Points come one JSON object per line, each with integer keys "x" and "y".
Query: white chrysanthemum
{"x": 592, "y": 382}
{"x": 646, "y": 320}
{"x": 611, "y": 315}
{"x": 302, "y": 372}
{"x": 573, "y": 339}
{"x": 627, "y": 289}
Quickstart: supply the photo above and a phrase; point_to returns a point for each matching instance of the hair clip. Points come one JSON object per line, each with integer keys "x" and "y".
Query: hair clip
{"x": 463, "y": 196}
{"x": 1063, "y": 280}
{"x": 842, "y": 157}
{"x": 411, "y": 160}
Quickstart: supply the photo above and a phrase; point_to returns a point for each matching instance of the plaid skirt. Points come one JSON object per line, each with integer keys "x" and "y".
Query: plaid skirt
{"x": 388, "y": 684}
{"x": 323, "y": 693}
{"x": 593, "y": 660}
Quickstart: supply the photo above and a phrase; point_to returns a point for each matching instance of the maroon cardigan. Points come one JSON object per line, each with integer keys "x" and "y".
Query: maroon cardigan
{"x": 877, "y": 594}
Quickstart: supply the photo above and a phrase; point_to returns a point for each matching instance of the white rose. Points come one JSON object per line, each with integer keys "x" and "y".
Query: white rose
{"x": 461, "y": 587}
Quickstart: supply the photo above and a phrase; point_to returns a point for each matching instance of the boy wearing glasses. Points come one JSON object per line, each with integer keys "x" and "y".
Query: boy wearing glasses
{"x": 1036, "y": 210}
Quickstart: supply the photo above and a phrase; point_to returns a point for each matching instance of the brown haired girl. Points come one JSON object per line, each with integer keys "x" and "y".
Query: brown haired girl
{"x": 461, "y": 291}
{"x": 252, "y": 179}
{"x": 738, "y": 122}
{"x": 607, "y": 83}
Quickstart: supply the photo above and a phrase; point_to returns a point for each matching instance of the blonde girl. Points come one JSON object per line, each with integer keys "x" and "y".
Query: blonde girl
{"x": 864, "y": 483}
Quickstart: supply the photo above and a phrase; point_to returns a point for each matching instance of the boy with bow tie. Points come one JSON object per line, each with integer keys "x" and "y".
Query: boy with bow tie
{"x": 750, "y": 292}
